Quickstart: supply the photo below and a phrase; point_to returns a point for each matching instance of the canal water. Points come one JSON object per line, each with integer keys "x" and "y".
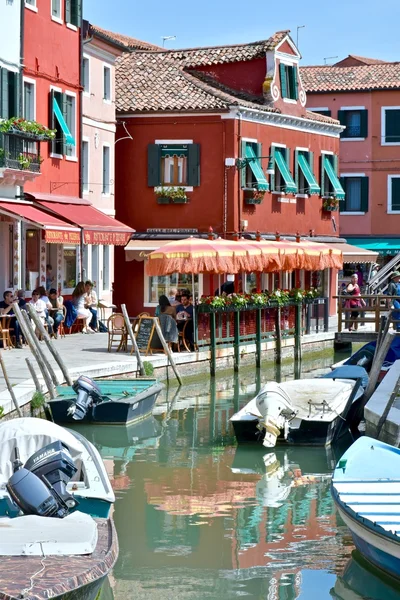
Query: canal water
{"x": 200, "y": 518}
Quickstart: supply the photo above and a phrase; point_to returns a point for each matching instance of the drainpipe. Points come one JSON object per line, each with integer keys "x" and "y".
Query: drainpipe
{"x": 239, "y": 137}
{"x": 21, "y": 53}
{"x": 80, "y": 137}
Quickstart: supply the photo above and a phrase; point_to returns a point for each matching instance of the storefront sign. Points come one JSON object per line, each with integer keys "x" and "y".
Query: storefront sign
{"x": 114, "y": 238}
{"x": 182, "y": 231}
{"x": 53, "y": 236}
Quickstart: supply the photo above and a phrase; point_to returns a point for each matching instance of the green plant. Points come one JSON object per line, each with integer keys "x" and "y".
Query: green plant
{"x": 37, "y": 401}
{"x": 330, "y": 202}
{"x": 1, "y": 412}
{"x": 148, "y": 368}
{"x": 258, "y": 194}
{"x": 33, "y": 127}
{"x": 173, "y": 193}
{"x": 24, "y": 161}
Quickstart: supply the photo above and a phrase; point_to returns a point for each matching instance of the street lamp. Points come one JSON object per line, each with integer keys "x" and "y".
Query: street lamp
{"x": 241, "y": 163}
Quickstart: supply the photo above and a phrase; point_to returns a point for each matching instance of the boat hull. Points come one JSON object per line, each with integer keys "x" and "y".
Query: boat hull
{"x": 123, "y": 411}
{"x": 61, "y": 577}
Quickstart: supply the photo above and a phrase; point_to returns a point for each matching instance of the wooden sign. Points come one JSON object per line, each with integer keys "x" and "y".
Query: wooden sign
{"x": 147, "y": 338}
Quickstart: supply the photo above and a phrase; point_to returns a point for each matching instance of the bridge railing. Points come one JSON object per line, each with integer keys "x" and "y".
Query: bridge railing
{"x": 376, "y": 306}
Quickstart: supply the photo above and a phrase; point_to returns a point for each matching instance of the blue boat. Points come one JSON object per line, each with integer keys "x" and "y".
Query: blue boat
{"x": 366, "y": 490}
{"x": 365, "y": 356}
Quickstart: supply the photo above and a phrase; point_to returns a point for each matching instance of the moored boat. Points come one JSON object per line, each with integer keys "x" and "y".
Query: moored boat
{"x": 305, "y": 411}
{"x": 118, "y": 401}
{"x": 58, "y": 539}
{"x": 366, "y": 490}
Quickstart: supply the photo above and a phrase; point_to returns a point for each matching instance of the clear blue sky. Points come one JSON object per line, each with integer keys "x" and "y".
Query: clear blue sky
{"x": 338, "y": 28}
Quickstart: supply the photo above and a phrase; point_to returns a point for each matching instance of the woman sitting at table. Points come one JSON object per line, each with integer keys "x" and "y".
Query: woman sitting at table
{"x": 79, "y": 299}
{"x": 164, "y": 307}
{"x": 57, "y": 312}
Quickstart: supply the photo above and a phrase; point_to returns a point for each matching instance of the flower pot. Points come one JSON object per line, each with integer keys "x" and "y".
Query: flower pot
{"x": 250, "y": 200}
{"x": 331, "y": 207}
{"x": 163, "y": 200}
{"x": 184, "y": 200}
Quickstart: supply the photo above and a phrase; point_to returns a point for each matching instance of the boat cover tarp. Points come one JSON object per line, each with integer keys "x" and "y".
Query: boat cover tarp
{"x": 368, "y": 351}
{"x": 349, "y": 372}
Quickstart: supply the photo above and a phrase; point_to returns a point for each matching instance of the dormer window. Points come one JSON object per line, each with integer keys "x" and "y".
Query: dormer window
{"x": 289, "y": 81}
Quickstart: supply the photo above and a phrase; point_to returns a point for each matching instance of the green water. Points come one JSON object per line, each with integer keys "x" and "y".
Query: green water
{"x": 199, "y": 518}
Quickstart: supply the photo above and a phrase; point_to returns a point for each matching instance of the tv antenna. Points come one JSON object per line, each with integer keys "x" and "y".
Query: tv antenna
{"x": 329, "y": 58}
{"x": 167, "y": 38}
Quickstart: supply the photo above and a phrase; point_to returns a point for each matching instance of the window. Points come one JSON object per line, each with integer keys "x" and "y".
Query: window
{"x": 355, "y": 121}
{"x": 30, "y": 2}
{"x": 356, "y": 194}
{"x": 282, "y": 180}
{"x": 304, "y": 173}
{"x": 69, "y": 261}
{"x": 57, "y": 145}
{"x": 9, "y": 94}
{"x": 289, "y": 83}
{"x": 73, "y": 12}
{"x": 252, "y": 175}
{"x": 106, "y": 170}
{"x": 393, "y": 193}
{"x": 330, "y": 184}
{"x": 173, "y": 164}
{"x": 56, "y": 9}
{"x": 107, "y": 84}
{"x": 321, "y": 111}
{"x": 106, "y": 268}
{"x": 85, "y": 167}
{"x": 165, "y": 284}
{"x": 85, "y": 75}
{"x": 390, "y": 125}
{"x": 70, "y": 119}
{"x": 29, "y": 101}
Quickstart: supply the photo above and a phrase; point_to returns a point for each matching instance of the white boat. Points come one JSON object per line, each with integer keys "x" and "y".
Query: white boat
{"x": 304, "y": 411}
{"x": 55, "y": 501}
{"x": 366, "y": 490}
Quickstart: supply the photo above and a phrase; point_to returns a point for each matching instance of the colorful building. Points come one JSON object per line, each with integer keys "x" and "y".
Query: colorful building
{"x": 364, "y": 95}
{"x": 219, "y": 137}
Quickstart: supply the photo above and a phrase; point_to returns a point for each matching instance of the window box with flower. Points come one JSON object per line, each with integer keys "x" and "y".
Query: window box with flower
{"x": 254, "y": 196}
{"x": 331, "y": 203}
{"x": 27, "y": 129}
{"x": 171, "y": 195}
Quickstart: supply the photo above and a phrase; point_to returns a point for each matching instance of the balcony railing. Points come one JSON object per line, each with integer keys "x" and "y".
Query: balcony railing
{"x": 19, "y": 153}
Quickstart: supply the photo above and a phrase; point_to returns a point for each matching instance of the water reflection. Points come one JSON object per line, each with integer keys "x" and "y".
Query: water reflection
{"x": 198, "y": 517}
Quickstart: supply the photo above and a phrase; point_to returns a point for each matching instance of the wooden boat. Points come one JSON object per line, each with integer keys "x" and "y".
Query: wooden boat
{"x": 58, "y": 539}
{"x": 360, "y": 580}
{"x": 304, "y": 411}
{"x": 118, "y": 401}
{"x": 366, "y": 490}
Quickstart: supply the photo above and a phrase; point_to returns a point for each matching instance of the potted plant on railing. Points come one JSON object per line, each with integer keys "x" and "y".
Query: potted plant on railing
{"x": 27, "y": 129}
{"x": 171, "y": 195}
{"x": 331, "y": 203}
{"x": 254, "y": 196}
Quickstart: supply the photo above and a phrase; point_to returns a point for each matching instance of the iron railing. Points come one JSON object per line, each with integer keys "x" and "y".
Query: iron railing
{"x": 20, "y": 153}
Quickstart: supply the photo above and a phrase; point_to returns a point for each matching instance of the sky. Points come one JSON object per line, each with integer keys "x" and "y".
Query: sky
{"x": 332, "y": 29}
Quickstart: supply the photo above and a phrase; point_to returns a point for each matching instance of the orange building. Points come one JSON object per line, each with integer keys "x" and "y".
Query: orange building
{"x": 364, "y": 95}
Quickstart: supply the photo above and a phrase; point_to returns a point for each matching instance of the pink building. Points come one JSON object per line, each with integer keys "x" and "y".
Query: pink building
{"x": 364, "y": 94}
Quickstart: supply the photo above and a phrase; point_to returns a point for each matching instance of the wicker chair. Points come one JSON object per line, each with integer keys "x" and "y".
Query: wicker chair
{"x": 117, "y": 332}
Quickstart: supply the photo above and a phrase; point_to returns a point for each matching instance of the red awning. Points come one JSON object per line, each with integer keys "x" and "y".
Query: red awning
{"x": 98, "y": 228}
{"x": 56, "y": 231}
{"x": 56, "y": 198}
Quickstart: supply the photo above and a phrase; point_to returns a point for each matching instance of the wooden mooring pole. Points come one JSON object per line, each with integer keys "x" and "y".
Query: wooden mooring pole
{"x": 258, "y": 338}
{"x": 278, "y": 336}
{"x": 236, "y": 340}
{"x": 297, "y": 332}
{"x": 213, "y": 345}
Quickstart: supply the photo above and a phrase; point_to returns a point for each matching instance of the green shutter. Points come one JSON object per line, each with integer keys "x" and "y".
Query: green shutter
{"x": 304, "y": 165}
{"x": 282, "y": 161}
{"x": 272, "y": 177}
{"x": 295, "y": 83}
{"x": 296, "y": 168}
{"x": 364, "y": 123}
{"x": 4, "y": 94}
{"x": 153, "y": 165}
{"x": 76, "y": 12}
{"x": 322, "y": 174}
{"x": 364, "y": 193}
{"x": 343, "y": 181}
{"x": 392, "y": 126}
{"x": 64, "y": 114}
{"x": 343, "y": 121}
{"x": 284, "y": 82}
{"x": 243, "y": 171}
{"x": 193, "y": 165}
{"x": 68, "y": 11}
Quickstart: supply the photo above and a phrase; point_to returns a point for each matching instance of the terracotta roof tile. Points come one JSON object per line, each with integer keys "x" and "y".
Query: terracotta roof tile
{"x": 129, "y": 42}
{"x": 367, "y": 61}
{"x": 385, "y": 76}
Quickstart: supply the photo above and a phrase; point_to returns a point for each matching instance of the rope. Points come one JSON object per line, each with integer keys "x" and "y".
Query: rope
{"x": 26, "y": 591}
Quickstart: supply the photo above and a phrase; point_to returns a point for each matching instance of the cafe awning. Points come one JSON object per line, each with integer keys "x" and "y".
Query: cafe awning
{"x": 355, "y": 254}
{"x": 56, "y": 231}
{"x": 383, "y": 246}
{"x": 98, "y": 228}
{"x": 140, "y": 249}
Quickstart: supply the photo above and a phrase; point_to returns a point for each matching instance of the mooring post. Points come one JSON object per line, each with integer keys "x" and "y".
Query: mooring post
{"x": 278, "y": 338}
{"x": 213, "y": 348}
{"x": 258, "y": 338}
{"x": 297, "y": 332}
{"x": 236, "y": 340}
{"x": 308, "y": 318}
{"x": 326, "y": 315}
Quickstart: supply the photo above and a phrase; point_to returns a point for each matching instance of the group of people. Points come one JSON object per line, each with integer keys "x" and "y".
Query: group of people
{"x": 50, "y": 308}
{"x": 179, "y": 306}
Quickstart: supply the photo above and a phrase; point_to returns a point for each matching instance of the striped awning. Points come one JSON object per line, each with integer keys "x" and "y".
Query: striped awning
{"x": 308, "y": 174}
{"x": 253, "y": 162}
{"x": 290, "y": 186}
{"x": 333, "y": 178}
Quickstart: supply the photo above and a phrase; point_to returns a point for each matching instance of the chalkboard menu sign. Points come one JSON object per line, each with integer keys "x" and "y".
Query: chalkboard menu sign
{"x": 146, "y": 336}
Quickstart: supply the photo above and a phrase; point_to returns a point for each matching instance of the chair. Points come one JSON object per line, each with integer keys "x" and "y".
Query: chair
{"x": 117, "y": 332}
{"x": 182, "y": 340}
{"x": 61, "y": 326}
{"x": 143, "y": 314}
{"x": 5, "y": 333}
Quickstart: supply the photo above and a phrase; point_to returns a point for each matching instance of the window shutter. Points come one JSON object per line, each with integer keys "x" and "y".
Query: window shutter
{"x": 295, "y": 84}
{"x": 343, "y": 206}
{"x": 272, "y": 177}
{"x": 193, "y": 165}
{"x": 68, "y": 11}
{"x": 364, "y": 193}
{"x": 153, "y": 165}
{"x": 284, "y": 86}
{"x": 4, "y": 94}
{"x": 17, "y": 107}
{"x": 343, "y": 121}
{"x": 243, "y": 171}
{"x": 335, "y": 163}
{"x": 322, "y": 174}
{"x": 296, "y": 168}
{"x": 76, "y": 12}
{"x": 364, "y": 123}
{"x": 64, "y": 113}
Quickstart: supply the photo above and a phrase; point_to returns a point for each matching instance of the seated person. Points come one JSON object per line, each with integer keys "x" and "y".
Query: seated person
{"x": 184, "y": 313}
{"x": 91, "y": 303}
{"x": 164, "y": 307}
{"x": 6, "y": 308}
{"x": 39, "y": 306}
{"x": 172, "y": 296}
{"x": 57, "y": 313}
{"x": 44, "y": 298}
{"x": 79, "y": 300}
{"x": 21, "y": 298}
{"x": 228, "y": 287}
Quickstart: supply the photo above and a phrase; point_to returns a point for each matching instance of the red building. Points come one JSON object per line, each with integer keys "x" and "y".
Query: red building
{"x": 198, "y": 130}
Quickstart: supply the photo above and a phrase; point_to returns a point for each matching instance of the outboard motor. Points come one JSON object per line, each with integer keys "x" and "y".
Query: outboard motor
{"x": 39, "y": 488}
{"x": 88, "y": 394}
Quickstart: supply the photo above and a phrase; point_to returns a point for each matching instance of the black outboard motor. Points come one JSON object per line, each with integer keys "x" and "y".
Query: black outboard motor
{"x": 39, "y": 488}
{"x": 88, "y": 394}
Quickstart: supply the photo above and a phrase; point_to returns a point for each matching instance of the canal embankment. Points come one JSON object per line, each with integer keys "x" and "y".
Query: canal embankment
{"x": 382, "y": 412}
